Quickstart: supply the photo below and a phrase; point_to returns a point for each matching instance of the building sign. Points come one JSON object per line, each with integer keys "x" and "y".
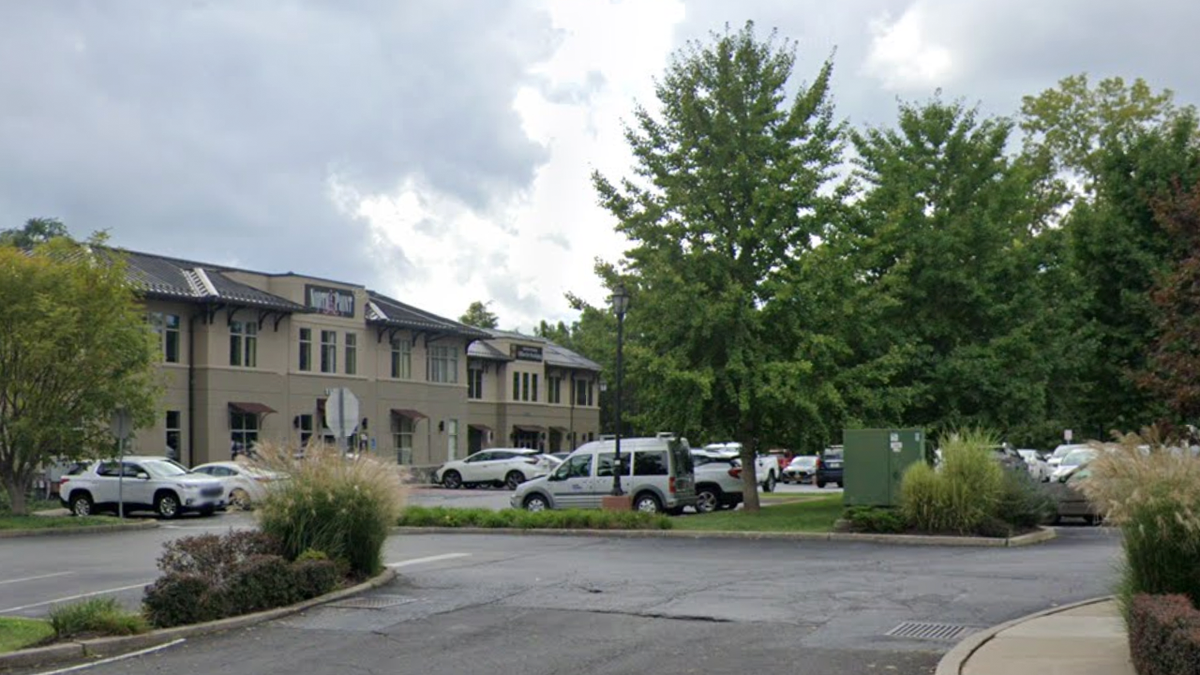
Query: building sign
{"x": 331, "y": 301}
{"x": 524, "y": 353}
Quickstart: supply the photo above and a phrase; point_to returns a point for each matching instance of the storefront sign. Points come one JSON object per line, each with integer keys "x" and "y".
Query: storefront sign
{"x": 331, "y": 301}
{"x": 524, "y": 353}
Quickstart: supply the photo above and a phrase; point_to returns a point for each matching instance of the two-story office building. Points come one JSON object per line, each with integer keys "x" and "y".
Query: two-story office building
{"x": 249, "y": 356}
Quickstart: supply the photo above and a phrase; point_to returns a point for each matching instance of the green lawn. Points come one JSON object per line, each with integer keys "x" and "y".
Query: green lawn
{"x": 19, "y": 633}
{"x": 10, "y": 522}
{"x": 812, "y": 515}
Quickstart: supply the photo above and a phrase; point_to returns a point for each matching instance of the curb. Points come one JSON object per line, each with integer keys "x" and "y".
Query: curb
{"x": 83, "y": 529}
{"x": 110, "y": 646}
{"x": 953, "y": 661}
{"x": 1042, "y": 535}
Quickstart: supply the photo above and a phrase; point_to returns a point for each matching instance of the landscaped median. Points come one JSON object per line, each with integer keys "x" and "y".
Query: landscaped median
{"x": 35, "y": 525}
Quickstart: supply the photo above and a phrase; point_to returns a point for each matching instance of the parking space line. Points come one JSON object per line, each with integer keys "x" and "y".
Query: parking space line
{"x": 74, "y": 597}
{"x": 428, "y": 559}
{"x": 111, "y": 659}
{"x": 40, "y": 576}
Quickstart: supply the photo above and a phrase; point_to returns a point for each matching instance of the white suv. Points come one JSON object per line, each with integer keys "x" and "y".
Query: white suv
{"x": 718, "y": 481}
{"x": 502, "y": 467}
{"x": 143, "y": 483}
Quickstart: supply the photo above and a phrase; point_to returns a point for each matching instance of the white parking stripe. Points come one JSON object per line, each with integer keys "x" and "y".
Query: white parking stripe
{"x": 40, "y": 576}
{"x": 111, "y": 659}
{"x": 432, "y": 558}
{"x": 74, "y": 597}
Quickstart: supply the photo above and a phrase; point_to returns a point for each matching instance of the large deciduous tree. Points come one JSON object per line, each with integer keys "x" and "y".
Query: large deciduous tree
{"x": 480, "y": 316}
{"x": 727, "y": 193}
{"x": 74, "y": 347}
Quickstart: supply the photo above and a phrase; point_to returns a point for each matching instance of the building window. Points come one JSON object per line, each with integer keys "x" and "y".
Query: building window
{"x": 243, "y": 344}
{"x": 533, "y": 393}
{"x": 243, "y": 431}
{"x": 174, "y": 434}
{"x": 401, "y": 359}
{"x": 580, "y": 392}
{"x": 591, "y": 390}
{"x": 451, "y": 439}
{"x": 443, "y": 365}
{"x": 475, "y": 383}
{"x": 516, "y": 387}
{"x": 167, "y": 327}
{"x": 524, "y": 386}
{"x": 306, "y": 349}
{"x": 351, "y": 353}
{"x": 306, "y": 429}
{"x": 402, "y": 438}
{"x": 554, "y": 389}
{"x": 328, "y": 351}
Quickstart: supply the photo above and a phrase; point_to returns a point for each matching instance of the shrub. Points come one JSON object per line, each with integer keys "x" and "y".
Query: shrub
{"x": 314, "y": 577}
{"x": 176, "y": 599}
{"x": 963, "y": 495}
{"x": 95, "y": 616}
{"x": 215, "y": 556}
{"x": 1153, "y": 493}
{"x": 1023, "y": 501}
{"x": 1164, "y": 635}
{"x": 261, "y": 582}
{"x": 440, "y": 516}
{"x": 869, "y": 519}
{"x": 341, "y": 506}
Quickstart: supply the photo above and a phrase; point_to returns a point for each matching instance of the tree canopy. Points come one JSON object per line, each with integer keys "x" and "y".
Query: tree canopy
{"x": 35, "y": 231}
{"x": 480, "y": 316}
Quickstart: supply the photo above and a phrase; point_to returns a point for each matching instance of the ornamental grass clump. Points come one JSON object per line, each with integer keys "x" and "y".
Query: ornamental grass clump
{"x": 1151, "y": 489}
{"x": 341, "y": 505}
{"x": 963, "y": 496}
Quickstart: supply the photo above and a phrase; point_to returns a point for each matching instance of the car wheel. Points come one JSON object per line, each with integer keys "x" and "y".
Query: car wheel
{"x": 452, "y": 480}
{"x": 81, "y": 504}
{"x": 239, "y": 499}
{"x": 646, "y": 503}
{"x": 513, "y": 480}
{"x": 536, "y": 503}
{"x": 769, "y": 483}
{"x": 708, "y": 499}
{"x": 166, "y": 505}
{"x": 820, "y": 483}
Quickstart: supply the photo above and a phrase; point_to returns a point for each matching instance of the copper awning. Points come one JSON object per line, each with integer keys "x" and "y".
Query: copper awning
{"x": 250, "y": 408}
{"x": 481, "y": 427}
{"x": 410, "y": 414}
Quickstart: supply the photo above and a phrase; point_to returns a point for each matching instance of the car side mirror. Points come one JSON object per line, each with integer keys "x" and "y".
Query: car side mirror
{"x": 143, "y": 475}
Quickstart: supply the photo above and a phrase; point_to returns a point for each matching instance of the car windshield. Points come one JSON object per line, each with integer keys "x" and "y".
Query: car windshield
{"x": 1063, "y": 450}
{"x": 807, "y": 460}
{"x": 1077, "y": 457}
{"x": 164, "y": 468}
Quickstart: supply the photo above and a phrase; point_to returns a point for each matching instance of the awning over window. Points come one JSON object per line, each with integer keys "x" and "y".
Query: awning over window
{"x": 250, "y": 408}
{"x": 410, "y": 414}
{"x": 481, "y": 427}
{"x": 528, "y": 427}
{"x": 561, "y": 430}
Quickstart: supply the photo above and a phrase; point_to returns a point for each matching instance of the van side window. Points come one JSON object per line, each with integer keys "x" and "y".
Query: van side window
{"x": 579, "y": 466}
{"x": 604, "y": 464}
{"x": 650, "y": 463}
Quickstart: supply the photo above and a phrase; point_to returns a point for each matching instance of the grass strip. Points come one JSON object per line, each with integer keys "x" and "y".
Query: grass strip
{"x": 17, "y": 633}
{"x": 9, "y": 522}
{"x": 811, "y": 515}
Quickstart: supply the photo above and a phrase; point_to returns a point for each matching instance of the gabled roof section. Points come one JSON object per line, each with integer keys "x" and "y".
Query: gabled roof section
{"x": 552, "y": 354}
{"x": 174, "y": 279}
{"x": 385, "y": 311}
{"x": 482, "y": 350}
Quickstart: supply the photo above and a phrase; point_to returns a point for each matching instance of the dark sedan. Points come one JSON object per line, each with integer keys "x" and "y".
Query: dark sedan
{"x": 829, "y": 468}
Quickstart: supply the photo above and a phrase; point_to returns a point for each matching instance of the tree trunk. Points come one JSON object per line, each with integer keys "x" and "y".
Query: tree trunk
{"x": 749, "y": 470}
{"x": 16, "y": 496}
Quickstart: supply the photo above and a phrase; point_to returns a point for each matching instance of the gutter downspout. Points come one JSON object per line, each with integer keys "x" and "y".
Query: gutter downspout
{"x": 191, "y": 391}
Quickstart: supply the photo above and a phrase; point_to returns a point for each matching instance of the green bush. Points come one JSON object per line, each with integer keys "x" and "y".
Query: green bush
{"x": 330, "y": 503}
{"x": 870, "y": 519}
{"x": 177, "y": 599}
{"x": 95, "y": 616}
{"x": 314, "y": 577}
{"x": 1164, "y": 635}
{"x": 569, "y": 519}
{"x": 215, "y": 556}
{"x": 1024, "y": 502}
{"x": 963, "y": 495}
{"x": 261, "y": 582}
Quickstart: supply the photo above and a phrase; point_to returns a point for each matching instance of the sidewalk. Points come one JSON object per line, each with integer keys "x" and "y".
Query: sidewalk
{"x": 1081, "y": 639}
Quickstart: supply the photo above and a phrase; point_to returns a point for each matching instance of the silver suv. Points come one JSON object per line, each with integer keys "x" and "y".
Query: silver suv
{"x": 144, "y": 483}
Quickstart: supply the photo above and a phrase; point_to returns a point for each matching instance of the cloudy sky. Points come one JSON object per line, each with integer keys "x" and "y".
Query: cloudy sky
{"x": 439, "y": 150}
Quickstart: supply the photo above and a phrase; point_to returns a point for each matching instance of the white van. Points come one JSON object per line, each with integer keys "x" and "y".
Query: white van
{"x": 662, "y": 478}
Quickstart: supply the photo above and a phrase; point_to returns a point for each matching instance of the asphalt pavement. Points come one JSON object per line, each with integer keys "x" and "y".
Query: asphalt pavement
{"x": 534, "y": 604}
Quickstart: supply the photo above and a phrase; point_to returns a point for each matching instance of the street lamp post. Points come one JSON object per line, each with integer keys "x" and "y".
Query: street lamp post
{"x": 620, "y": 301}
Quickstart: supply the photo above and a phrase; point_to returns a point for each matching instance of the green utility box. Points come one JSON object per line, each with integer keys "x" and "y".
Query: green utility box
{"x": 874, "y": 461}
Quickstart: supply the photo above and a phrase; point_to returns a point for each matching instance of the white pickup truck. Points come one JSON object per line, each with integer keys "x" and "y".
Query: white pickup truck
{"x": 766, "y": 467}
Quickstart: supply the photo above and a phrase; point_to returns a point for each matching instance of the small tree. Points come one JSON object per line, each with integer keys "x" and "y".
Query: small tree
{"x": 480, "y": 316}
{"x": 36, "y": 231}
{"x": 74, "y": 347}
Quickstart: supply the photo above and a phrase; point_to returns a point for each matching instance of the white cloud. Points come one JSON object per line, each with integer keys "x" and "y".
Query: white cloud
{"x": 904, "y": 55}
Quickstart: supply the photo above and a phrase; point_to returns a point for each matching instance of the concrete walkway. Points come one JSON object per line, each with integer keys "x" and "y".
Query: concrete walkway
{"x": 1082, "y": 639}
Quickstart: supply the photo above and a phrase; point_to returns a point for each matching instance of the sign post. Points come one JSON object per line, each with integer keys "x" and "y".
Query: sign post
{"x": 341, "y": 415}
{"x": 121, "y": 427}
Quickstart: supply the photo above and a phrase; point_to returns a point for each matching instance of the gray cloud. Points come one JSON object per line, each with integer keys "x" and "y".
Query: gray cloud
{"x": 211, "y": 130}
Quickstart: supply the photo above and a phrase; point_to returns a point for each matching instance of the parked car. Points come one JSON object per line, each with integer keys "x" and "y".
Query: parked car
{"x": 766, "y": 467}
{"x": 718, "y": 481}
{"x": 143, "y": 483}
{"x": 1009, "y": 458}
{"x": 801, "y": 469}
{"x": 1061, "y": 451}
{"x": 1072, "y": 461}
{"x": 245, "y": 485}
{"x": 829, "y": 467}
{"x": 660, "y": 478}
{"x": 501, "y": 467}
{"x": 1070, "y": 499}
{"x": 1038, "y": 468}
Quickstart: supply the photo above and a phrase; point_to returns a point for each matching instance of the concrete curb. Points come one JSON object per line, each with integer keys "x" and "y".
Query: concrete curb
{"x": 1044, "y": 534}
{"x": 111, "y": 646}
{"x": 952, "y": 662}
{"x": 83, "y": 529}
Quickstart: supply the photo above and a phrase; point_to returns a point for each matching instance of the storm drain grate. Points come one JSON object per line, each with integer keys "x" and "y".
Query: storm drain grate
{"x": 373, "y": 602}
{"x": 923, "y": 630}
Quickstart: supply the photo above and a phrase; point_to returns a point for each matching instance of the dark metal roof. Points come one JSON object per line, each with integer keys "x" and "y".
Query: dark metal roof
{"x": 382, "y": 310}
{"x": 175, "y": 279}
{"x": 482, "y": 350}
{"x": 552, "y": 354}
